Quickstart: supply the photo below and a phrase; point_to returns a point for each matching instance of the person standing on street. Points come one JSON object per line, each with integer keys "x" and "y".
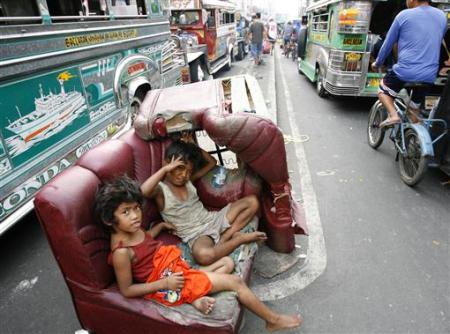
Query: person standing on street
{"x": 272, "y": 33}
{"x": 287, "y": 34}
{"x": 256, "y": 33}
{"x": 418, "y": 31}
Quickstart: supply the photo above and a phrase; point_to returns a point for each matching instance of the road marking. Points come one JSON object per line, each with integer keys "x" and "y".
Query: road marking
{"x": 317, "y": 257}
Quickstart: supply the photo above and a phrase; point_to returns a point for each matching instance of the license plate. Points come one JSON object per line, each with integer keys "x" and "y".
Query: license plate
{"x": 352, "y": 56}
{"x": 373, "y": 82}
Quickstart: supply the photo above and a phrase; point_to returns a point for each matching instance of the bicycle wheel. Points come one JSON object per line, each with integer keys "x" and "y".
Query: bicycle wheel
{"x": 413, "y": 164}
{"x": 375, "y": 134}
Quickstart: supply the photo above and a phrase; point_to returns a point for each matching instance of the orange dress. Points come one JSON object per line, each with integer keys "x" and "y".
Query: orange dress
{"x": 155, "y": 262}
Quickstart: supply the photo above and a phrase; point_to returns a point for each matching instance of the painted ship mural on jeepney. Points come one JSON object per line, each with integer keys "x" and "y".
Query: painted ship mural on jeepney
{"x": 35, "y": 111}
{"x": 39, "y": 113}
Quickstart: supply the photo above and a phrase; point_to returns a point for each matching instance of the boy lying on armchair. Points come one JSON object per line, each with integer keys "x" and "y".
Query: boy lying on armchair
{"x": 210, "y": 235}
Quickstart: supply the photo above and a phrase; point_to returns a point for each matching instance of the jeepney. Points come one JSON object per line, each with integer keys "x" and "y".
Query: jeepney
{"x": 208, "y": 30}
{"x": 340, "y": 38}
{"x": 71, "y": 73}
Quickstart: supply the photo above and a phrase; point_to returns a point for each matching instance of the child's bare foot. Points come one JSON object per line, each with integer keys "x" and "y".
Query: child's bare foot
{"x": 253, "y": 236}
{"x": 284, "y": 322}
{"x": 204, "y": 304}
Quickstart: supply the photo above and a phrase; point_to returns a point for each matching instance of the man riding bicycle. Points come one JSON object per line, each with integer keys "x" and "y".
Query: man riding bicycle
{"x": 418, "y": 32}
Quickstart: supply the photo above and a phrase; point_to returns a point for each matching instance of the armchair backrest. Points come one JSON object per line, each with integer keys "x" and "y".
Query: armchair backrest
{"x": 65, "y": 206}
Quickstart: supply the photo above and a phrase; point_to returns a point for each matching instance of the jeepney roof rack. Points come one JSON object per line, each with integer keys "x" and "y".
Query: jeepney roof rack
{"x": 219, "y": 4}
{"x": 208, "y": 4}
{"x": 322, "y": 3}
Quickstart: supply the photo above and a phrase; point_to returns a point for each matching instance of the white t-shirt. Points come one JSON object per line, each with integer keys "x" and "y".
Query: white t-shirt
{"x": 272, "y": 31}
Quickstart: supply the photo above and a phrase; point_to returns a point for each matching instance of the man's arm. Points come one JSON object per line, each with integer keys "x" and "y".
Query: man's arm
{"x": 388, "y": 44}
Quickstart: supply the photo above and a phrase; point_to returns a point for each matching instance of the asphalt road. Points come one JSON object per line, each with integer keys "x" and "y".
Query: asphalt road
{"x": 387, "y": 245}
{"x": 387, "y": 252}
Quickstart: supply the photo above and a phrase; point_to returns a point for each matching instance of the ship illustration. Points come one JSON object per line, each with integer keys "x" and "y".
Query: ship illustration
{"x": 52, "y": 111}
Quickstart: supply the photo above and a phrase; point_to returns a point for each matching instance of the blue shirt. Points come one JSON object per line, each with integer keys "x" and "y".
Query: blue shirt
{"x": 418, "y": 32}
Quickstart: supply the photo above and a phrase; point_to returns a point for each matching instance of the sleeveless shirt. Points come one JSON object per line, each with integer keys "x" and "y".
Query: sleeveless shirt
{"x": 143, "y": 252}
{"x": 190, "y": 216}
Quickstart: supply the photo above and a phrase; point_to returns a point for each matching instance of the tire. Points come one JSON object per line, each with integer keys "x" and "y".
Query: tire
{"x": 294, "y": 54}
{"x": 414, "y": 165}
{"x": 321, "y": 91}
{"x": 375, "y": 134}
{"x": 241, "y": 52}
{"x": 134, "y": 108}
{"x": 193, "y": 70}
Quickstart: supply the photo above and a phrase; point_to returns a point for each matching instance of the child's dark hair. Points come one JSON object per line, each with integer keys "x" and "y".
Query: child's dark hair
{"x": 110, "y": 195}
{"x": 187, "y": 152}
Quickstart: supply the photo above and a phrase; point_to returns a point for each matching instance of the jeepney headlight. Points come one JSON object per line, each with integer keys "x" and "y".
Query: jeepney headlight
{"x": 192, "y": 40}
{"x": 189, "y": 39}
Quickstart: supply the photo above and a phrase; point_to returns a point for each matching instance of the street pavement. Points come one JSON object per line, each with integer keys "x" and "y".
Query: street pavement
{"x": 386, "y": 244}
{"x": 377, "y": 254}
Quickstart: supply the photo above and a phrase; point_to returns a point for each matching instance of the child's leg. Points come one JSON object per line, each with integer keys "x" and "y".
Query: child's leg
{"x": 274, "y": 321}
{"x": 240, "y": 214}
{"x": 205, "y": 252}
{"x": 224, "y": 265}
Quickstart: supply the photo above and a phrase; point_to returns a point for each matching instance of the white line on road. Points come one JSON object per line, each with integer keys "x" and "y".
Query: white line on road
{"x": 317, "y": 256}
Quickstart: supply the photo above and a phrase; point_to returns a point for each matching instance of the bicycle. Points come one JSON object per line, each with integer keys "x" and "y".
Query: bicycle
{"x": 412, "y": 141}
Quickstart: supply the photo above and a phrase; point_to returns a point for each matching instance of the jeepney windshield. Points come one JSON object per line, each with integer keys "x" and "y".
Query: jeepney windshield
{"x": 185, "y": 17}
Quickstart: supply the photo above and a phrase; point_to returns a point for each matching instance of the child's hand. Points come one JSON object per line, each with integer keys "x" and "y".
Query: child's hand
{"x": 174, "y": 163}
{"x": 175, "y": 281}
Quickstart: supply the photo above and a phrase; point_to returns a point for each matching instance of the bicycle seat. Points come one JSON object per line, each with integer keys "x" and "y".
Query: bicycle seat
{"x": 416, "y": 84}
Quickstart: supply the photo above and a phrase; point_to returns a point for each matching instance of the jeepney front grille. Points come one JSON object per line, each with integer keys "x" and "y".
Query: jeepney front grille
{"x": 337, "y": 90}
{"x": 354, "y": 17}
{"x": 346, "y": 61}
{"x": 171, "y": 56}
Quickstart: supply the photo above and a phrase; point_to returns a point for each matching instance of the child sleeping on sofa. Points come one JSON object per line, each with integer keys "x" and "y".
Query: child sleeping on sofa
{"x": 144, "y": 267}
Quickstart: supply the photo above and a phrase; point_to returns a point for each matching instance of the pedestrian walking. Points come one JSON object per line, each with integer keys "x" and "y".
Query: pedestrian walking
{"x": 256, "y": 35}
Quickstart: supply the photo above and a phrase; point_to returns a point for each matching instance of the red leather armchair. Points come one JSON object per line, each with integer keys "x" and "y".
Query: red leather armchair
{"x": 81, "y": 245}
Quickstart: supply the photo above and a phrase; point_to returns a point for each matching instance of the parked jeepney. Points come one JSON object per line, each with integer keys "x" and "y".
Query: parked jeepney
{"x": 340, "y": 38}
{"x": 70, "y": 73}
{"x": 208, "y": 30}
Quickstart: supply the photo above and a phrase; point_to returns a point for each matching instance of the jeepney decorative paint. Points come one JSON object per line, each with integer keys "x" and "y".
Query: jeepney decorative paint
{"x": 28, "y": 189}
{"x": 50, "y": 117}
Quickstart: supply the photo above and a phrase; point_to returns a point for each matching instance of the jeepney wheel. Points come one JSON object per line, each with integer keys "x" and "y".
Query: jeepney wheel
{"x": 195, "y": 71}
{"x": 134, "y": 108}
{"x": 413, "y": 164}
{"x": 241, "y": 53}
{"x": 375, "y": 134}
{"x": 321, "y": 91}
